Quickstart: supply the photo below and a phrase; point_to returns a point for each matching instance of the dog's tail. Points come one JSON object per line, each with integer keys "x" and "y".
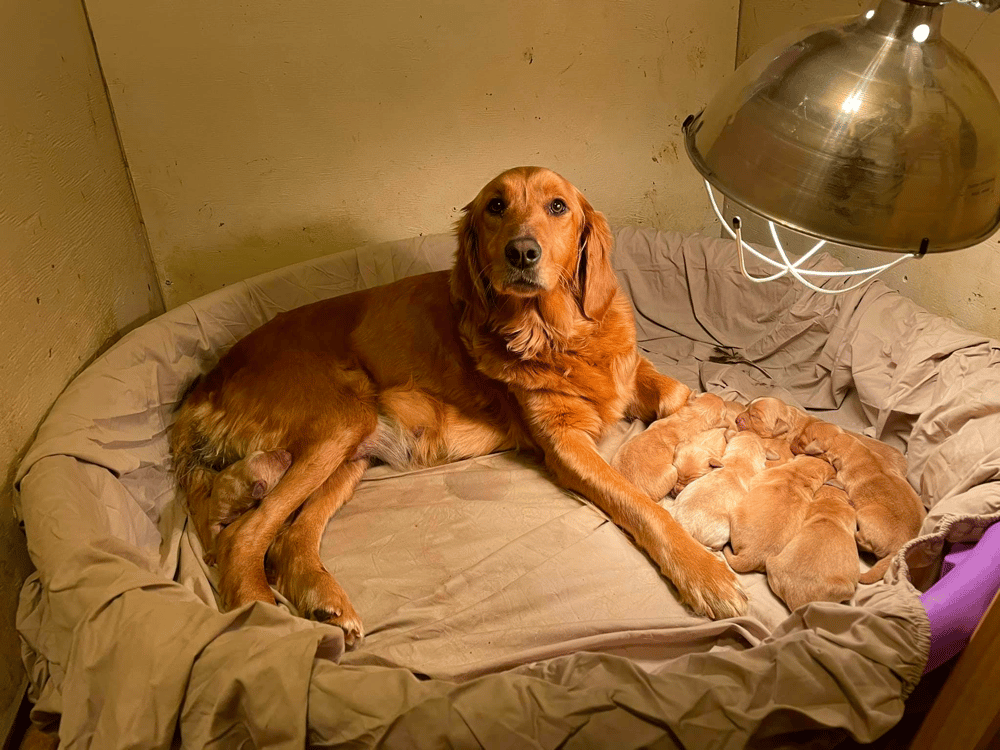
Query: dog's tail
{"x": 877, "y": 571}
{"x": 196, "y": 462}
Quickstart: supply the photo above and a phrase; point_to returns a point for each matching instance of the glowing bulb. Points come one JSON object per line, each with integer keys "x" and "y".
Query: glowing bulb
{"x": 869, "y": 14}
{"x": 921, "y": 32}
{"x": 851, "y": 104}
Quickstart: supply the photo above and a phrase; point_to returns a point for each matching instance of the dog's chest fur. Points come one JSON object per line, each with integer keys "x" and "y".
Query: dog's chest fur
{"x": 590, "y": 376}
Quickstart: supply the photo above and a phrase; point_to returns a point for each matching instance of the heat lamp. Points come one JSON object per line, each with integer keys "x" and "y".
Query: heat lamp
{"x": 871, "y": 131}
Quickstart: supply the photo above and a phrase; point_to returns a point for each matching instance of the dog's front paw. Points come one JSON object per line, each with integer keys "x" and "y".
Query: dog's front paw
{"x": 710, "y": 588}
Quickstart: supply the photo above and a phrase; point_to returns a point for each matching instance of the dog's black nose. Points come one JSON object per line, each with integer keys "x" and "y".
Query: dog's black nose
{"x": 523, "y": 252}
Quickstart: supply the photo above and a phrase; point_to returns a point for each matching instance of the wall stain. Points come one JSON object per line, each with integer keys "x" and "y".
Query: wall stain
{"x": 696, "y": 57}
{"x": 668, "y": 153}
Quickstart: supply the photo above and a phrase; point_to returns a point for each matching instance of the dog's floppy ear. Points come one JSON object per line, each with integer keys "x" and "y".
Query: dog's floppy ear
{"x": 780, "y": 427}
{"x": 595, "y": 277}
{"x": 466, "y": 274}
{"x": 258, "y": 489}
{"x": 808, "y": 447}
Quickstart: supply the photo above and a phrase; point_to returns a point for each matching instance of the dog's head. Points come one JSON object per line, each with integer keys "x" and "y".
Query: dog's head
{"x": 530, "y": 233}
{"x": 816, "y": 439}
{"x": 813, "y": 468}
{"x": 768, "y": 417}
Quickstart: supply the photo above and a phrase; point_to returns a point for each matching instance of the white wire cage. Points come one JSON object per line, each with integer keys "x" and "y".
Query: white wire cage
{"x": 785, "y": 266}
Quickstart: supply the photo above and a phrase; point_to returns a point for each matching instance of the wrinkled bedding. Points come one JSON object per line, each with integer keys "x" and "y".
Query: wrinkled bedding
{"x": 500, "y": 610}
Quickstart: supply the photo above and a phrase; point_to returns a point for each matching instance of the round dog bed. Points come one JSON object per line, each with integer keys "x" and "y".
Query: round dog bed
{"x": 500, "y": 610}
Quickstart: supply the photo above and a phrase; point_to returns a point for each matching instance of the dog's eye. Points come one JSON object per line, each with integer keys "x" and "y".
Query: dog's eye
{"x": 495, "y": 206}
{"x": 557, "y": 207}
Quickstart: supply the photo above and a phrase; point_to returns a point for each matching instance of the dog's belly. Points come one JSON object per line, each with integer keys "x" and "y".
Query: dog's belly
{"x": 432, "y": 434}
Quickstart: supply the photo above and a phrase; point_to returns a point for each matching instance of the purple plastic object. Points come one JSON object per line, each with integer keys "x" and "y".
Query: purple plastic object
{"x": 970, "y": 578}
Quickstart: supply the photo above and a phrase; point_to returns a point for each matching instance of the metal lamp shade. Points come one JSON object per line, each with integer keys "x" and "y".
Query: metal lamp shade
{"x": 871, "y": 131}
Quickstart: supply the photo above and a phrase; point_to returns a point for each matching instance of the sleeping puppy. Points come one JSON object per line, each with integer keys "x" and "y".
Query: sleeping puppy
{"x": 240, "y": 487}
{"x": 889, "y": 511}
{"x": 705, "y": 505}
{"x": 820, "y": 563}
{"x": 773, "y": 418}
{"x": 779, "y": 451}
{"x": 696, "y": 457}
{"x": 773, "y": 510}
{"x": 647, "y": 460}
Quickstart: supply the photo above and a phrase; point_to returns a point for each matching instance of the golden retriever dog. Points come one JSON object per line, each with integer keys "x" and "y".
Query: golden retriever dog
{"x": 705, "y": 506}
{"x": 889, "y": 511}
{"x": 527, "y": 342}
{"x": 240, "y": 487}
{"x": 647, "y": 460}
{"x": 772, "y": 417}
{"x": 820, "y": 563}
{"x": 773, "y": 510}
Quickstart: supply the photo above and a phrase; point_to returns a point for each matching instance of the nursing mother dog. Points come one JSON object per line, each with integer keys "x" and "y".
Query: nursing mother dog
{"x": 527, "y": 342}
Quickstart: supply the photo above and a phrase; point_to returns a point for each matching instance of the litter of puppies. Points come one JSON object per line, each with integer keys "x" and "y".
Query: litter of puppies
{"x": 791, "y": 495}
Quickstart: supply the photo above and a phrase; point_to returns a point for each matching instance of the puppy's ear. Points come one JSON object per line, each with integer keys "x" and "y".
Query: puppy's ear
{"x": 808, "y": 447}
{"x": 771, "y": 454}
{"x": 780, "y": 427}
{"x": 596, "y": 282}
{"x": 715, "y": 463}
{"x": 467, "y": 273}
{"x": 258, "y": 489}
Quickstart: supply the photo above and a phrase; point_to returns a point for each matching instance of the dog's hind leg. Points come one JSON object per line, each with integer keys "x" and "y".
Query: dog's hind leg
{"x": 295, "y": 564}
{"x": 241, "y": 546}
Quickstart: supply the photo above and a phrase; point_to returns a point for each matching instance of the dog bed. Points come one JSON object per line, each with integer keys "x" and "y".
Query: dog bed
{"x": 500, "y": 610}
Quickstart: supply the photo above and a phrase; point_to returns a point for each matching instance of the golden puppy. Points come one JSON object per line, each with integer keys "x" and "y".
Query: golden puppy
{"x": 772, "y": 417}
{"x": 889, "y": 511}
{"x": 733, "y": 411}
{"x": 647, "y": 460}
{"x": 704, "y": 506}
{"x": 696, "y": 457}
{"x": 240, "y": 487}
{"x": 779, "y": 451}
{"x": 820, "y": 563}
{"x": 773, "y": 510}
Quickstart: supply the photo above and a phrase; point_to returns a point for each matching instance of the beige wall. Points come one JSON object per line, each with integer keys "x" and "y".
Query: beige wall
{"x": 963, "y": 285}
{"x": 259, "y": 134}
{"x": 74, "y": 267}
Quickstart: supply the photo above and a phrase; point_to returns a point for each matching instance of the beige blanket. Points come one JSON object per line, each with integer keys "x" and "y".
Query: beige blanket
{"x": 501, "y": 611}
